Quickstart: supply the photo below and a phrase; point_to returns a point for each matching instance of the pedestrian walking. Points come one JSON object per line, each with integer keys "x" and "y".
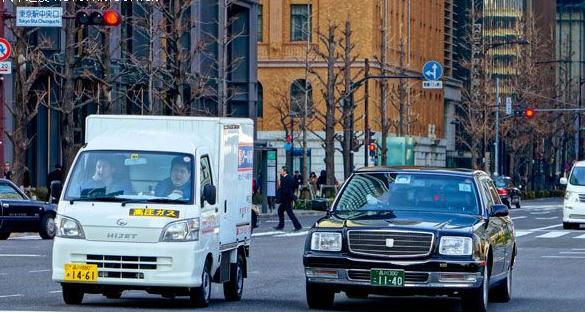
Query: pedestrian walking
{"x": 55, "y": 175}
{"x": 298, "y": 181}
{"x": 286, "y": 194}
{"x": 7, "y": 173}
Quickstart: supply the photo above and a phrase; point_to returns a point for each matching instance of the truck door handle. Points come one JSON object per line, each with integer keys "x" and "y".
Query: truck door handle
{"x": 5, "y": 205}
{"x": 225, "y": 206}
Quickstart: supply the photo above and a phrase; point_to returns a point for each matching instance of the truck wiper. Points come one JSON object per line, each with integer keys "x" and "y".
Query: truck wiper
{"x": 154, "y": 200}
{"x": 98, "y": 198}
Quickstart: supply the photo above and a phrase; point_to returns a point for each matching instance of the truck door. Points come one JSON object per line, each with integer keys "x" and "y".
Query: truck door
{"x": 209, "y": 213}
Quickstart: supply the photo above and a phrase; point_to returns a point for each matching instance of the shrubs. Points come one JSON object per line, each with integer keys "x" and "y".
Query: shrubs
{"x": 542, "y": 194}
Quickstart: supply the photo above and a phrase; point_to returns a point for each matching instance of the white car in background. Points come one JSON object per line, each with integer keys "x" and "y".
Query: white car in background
{"x": 574, "y": 204}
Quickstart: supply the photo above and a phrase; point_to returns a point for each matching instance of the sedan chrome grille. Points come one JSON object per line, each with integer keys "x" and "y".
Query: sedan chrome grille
{"x": 390, "y": 244}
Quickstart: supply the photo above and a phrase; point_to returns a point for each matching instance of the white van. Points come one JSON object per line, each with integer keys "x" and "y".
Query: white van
{"x": 160, "y": 204}
{"x": 574, "y": 204}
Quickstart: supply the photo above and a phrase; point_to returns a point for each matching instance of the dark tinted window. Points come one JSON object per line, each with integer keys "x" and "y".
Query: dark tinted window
{"x": 578, "y": 176}
{"x": 408, "y": 191}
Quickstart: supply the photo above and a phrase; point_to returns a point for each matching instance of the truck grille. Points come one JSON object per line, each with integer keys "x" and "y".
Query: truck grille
{"x": 582, "y": 198}
{"x": 403, "y": 244}
{"x": 123, "y": 262}
{"x": 409, "y": 277}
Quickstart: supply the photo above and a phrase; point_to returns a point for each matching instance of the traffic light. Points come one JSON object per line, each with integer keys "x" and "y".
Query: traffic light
{"x": 288, "y": 138}
{"x": 109, "y": 18}
{"x": 529, "y": 113}
{"x": 372, "y": 148}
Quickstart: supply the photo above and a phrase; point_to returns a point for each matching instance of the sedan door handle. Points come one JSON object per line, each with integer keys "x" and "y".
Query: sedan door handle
{"x": 5, "y": 205}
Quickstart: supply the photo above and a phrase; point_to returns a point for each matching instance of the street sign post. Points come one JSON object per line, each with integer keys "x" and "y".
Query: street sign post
{"x": 5, "y": 49}
{"x": 5, "y": 68}
{"x": 433, "y": 72}
{"x": 39, "y": 17}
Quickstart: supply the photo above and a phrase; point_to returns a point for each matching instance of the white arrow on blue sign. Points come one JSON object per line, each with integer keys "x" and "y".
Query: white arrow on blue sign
{"x": 432, "y": 70}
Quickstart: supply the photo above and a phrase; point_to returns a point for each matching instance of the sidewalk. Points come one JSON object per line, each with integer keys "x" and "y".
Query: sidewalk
{"x": 296, "y": 211}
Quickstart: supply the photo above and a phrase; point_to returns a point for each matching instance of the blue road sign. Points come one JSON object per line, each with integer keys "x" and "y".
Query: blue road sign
{"x": 432, "y": 70}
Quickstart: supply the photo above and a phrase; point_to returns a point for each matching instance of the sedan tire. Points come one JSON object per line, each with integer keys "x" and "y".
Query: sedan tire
{"x": 477, "y": 300}
{"x": 319, "y": 297}
{"x": 503, "y": 292}
{"x": 48, "y": 227}
{"x": 4, "y": 235}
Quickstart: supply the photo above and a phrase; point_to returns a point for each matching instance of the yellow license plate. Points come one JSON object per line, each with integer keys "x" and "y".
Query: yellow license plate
{"x": 81, "y": 272}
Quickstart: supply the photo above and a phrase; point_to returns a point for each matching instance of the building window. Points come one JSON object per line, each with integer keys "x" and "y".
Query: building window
{"x": 260, "y": 104}
{"x": 300, "y": 27}
{"x": 297, "y": 97}
{"x": 260, "y": 23}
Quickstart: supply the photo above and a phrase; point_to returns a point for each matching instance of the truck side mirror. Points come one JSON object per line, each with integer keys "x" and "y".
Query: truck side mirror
{"x": 55, "y": 191}
{"x": 563, "y": 181}
{"x": 209, "y": 194}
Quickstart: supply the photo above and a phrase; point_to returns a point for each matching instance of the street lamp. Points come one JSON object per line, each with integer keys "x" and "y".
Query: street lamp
{"x": 497, "y": 143}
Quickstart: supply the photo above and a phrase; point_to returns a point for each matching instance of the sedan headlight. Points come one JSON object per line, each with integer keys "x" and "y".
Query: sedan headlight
{"x": 326, "y": 241}
{"x": 181, "y": 231}
{"x": 68, "y": 228}
{"x": 456, "y": 246}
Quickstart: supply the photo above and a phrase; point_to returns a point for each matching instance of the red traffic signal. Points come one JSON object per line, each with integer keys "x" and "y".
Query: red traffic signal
{"x": 289, "y": 139}
{"x": 372, "y": 148}
{"x": 108, "y": 18}
{"x": 529, "y": 113}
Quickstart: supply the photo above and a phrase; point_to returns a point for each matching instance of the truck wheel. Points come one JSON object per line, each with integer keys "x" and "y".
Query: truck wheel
{"x": 477, "y": 299}
{"x": 4, "y": 235}
{"x": 47, "y": 227}
{"x": 72, "y": 294}
{"x": 113, "y": 294}
{"x": 233, "y": 289}
{"x": 319, "y": 297}
{"x": 201, "y": 296}
{"x": 503, "y": 292}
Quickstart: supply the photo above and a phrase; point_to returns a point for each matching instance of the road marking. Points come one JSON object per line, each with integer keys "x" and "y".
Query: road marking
{"x": 35, "y": 237}
{"x": 521, "y": 217}
{"x": 540, "y": 213}
{"x": 564, "y": 257}
{"x": 39, "y": 271}
{"x": 578, "y": 249}
{"x": 300, "y": 233}
{"x": 553, "y": 234}
{"x": 18, "y": 255}
{"x": 543, "y": 206}
{"x": 522, "y": 233}
{"x": 267, "y": 233}
{"x": 549, "y": 218}
{"x": 55, "y": 291}
{"x": 572, "y": 252}
{"x": 546, "y": 227}
{"x": 9, "y": 296}
{"x": 580, "y": 237}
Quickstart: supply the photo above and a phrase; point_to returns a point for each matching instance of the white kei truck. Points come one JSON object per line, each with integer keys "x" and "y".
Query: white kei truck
{"x": 159, "y": 204}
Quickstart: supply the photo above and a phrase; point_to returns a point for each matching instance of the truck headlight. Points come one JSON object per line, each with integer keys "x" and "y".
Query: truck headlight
{"x": 326, "y": 241}
{"x": 68, "y": 228}
{"x": 181, "y": 231}
{"x": 571, "y": 197}
{"x": 456, "y": 246}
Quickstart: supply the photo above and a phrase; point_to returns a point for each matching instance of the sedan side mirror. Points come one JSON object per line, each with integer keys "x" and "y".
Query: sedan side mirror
{"x": 209, "y": 194}
{"x": 563, "y": 181}
{"x": 499, "y": 211}
{"x": 55, "y": 191}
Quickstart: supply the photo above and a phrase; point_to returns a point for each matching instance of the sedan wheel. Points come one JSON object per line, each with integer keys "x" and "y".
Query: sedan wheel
{"x": 503, "y": 292}
{"x": 48, "y": 227}
{"x": 477, "y": 299}
{"x": 4, "y": 235}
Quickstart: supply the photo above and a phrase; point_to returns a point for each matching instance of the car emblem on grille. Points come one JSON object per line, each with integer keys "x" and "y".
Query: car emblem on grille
{"x": 389, "y": 242}
{"x": 122, "y": 222}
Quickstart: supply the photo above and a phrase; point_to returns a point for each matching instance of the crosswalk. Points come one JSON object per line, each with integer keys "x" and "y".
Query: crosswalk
{"x": 552, "y": 234}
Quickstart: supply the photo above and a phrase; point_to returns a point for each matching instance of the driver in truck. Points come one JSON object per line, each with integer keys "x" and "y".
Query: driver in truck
{"x": 178, "y": 185}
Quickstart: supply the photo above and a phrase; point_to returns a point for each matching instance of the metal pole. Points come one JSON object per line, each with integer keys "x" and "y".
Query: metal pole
{"x": 497, "y": 149}
{"x": 366, "y": 114}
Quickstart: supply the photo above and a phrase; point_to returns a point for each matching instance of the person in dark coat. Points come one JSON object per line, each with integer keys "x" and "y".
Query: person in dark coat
{"x": 7, "y": 172}
{"x": 287, "y": 189}
{"x": 55, "y": 175}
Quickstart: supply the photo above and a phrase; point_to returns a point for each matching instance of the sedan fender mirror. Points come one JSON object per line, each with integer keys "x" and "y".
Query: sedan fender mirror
{"x": 563, "y": 181}
{"x": 499, "y": 211}
{"x": 209, "y": 194}
{"x": 55, "y": 191}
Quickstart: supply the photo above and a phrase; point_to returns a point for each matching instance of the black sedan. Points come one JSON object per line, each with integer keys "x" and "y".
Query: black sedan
{"x": 509, "y": 193}
{"x": 413, "y": 231}
{"x": 18, "y": 213}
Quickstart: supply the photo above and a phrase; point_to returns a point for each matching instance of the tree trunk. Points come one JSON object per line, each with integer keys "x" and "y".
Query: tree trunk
{"x": 384, "y": 86}
{"x": 68, "y": 102}
{"x": 348, "y": 105}
{"x": 330, "y": 113}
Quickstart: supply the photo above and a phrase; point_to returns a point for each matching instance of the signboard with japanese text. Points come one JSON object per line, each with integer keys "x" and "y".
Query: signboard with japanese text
{"x": 39, "y": 17}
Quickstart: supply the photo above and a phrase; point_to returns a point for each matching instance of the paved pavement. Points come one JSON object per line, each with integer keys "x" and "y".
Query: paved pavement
{"x": 548, "y": 275}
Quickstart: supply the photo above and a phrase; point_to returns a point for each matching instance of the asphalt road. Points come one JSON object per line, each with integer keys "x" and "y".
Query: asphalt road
{"x": 548, "y": 276}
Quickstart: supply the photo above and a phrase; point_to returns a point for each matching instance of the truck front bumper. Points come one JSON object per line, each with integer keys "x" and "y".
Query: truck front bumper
{"x": 133, "y": 265}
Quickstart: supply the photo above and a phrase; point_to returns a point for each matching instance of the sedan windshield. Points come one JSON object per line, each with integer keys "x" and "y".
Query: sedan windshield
{"x": 376, "y": 193}
{"x": 131, "y": 176}
{"x": 578, "y": 176}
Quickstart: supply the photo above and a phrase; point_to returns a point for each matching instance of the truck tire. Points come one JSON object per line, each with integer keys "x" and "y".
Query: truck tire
{"x": 72, "y": 294}
{"x": 476, "y": 300}
{"x": 47, "y": 230}
{"x": 201, "y": 296}
{"x": 319, "y": 297}
{"x": 233, "y": 289}
{"x": 116, "y": 294}
{"x": 4, "y": 235}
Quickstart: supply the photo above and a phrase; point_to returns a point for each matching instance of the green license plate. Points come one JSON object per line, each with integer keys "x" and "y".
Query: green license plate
{"x": 388, "y": 278}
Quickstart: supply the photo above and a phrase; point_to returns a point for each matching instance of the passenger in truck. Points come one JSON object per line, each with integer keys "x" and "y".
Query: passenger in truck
{"x": 178, "y": 185}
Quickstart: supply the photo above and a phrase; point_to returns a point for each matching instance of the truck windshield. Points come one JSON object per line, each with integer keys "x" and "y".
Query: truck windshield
{"x": 376, "y": 193}
{"x": 127, "y": 176}
{"x": 578, "y": 176}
